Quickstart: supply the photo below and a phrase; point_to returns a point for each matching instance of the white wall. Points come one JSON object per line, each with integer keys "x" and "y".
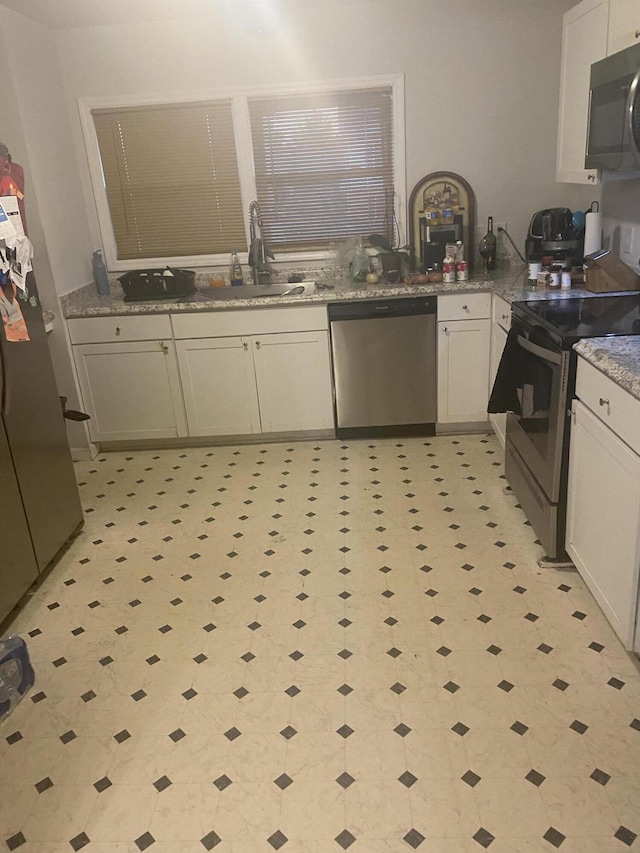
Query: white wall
{"x": 482, "y": 80}
{"x": 621, "y": 213}
{"x": 42, "y": 104}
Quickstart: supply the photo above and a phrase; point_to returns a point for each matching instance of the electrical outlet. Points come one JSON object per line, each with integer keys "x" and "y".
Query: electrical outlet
{"x": 503, "y": 248}
{"x": 627, "y": 239}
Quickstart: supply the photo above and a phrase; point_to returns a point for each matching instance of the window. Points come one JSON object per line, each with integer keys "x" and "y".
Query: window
{"x": 173, "y": 181}
{"x": 324, "y": 166}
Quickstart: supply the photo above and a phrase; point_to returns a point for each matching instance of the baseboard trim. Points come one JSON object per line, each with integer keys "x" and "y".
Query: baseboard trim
{"x": 459, "y": 429}
{"x": 213, "y": 441}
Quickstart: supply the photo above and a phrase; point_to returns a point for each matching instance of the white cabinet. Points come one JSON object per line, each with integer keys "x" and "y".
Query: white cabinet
{"x": 463, "y": 357}
{"x": 603, "y": 518}
{"x": 261, "y": 383}
{"x": 219, "y": 387}
{"x": 584, "y": 41}
{"x": 293, "y": 376}
{"x": 500, "y": 324}
{"x": 624, "y": 25}
{"x": 131, "y": 390}
{"x": 263, "y": 370}
{"x": 226, "y": 373}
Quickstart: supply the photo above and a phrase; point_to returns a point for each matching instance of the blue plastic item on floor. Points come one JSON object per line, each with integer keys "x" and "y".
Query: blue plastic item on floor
{"x": 16, "y": 674}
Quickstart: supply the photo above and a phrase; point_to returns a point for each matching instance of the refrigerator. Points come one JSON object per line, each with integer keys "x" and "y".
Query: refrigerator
{"x": 39, "y": 502}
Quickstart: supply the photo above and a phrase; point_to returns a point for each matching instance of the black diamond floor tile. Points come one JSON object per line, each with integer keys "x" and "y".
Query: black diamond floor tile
{"x": 277, "y": 840}
{"x": 626, "y": 836}
{"x": 414, "y": 838}
{"x": 144, "y": 841}
{"x": 484, "y": 838}
{"x": 554, "y": 837}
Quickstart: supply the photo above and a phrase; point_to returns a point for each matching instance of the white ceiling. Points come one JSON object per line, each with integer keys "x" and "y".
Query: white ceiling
{"x": 66, "y": 14}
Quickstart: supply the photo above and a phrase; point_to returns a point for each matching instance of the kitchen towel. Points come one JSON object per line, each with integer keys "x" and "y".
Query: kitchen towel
{"x": 522, "y": 384}
{"x": 593, "y": 232}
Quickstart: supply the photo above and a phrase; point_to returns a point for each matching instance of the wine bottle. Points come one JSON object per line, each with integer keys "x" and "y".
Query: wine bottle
{"x": 487, "y": 247}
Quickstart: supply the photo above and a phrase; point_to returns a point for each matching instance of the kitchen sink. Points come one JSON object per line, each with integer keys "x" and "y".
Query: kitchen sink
{"x": 250, "y": 291}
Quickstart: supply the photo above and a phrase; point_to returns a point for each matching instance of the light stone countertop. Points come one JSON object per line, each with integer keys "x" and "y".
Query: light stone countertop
{"x": 511, "y": 284}
{"x": 617, "y": 357}
{"x": 85, "y": 302}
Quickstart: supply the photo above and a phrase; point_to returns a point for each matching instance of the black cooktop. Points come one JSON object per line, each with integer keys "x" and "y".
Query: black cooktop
{"x": 584, "y": 316}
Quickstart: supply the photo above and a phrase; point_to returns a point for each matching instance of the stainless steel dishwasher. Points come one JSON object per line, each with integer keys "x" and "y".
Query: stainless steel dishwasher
{"x": 384, "y": 366}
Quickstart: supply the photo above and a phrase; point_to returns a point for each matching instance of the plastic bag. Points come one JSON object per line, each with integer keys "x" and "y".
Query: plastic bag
{"x": 360, "y": 265}
{"x": 16, "y": 674}
{"x": 354, "y": 257}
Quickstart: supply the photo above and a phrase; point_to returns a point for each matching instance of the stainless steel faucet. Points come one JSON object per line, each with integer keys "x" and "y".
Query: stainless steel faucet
{"x": 259, "y": 252}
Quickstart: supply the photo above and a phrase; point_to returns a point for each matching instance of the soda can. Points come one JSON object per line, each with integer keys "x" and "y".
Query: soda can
{"x": 462, "y": 271}
{"x": 448, "y": 271}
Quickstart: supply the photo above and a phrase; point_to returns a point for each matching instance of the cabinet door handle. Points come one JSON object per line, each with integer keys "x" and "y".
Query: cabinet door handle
{"x": 245, "y": 346}
{"x": 164, "y": 347}
{"x": 465, "y": 307}
{"x": 591, "y": 176}
{"x": 257, "y": 344}
{"x": 117, "y": 331}
{"x": 506, "y": 317}
{"x": 638, "y": 34}
{"x": 604, "y": 402}
{"x": 444, "y": 329}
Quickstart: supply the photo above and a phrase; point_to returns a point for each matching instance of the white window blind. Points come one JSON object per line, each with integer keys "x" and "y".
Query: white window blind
{"x": 323, "y": 166}
{"x": 171, "y": 179}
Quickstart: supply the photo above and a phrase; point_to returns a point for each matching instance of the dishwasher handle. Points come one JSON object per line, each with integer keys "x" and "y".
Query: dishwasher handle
{"x": 366, "y": 310}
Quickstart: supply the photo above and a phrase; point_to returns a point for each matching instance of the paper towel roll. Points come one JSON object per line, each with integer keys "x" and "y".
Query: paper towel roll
{"x": 593, "y": 233}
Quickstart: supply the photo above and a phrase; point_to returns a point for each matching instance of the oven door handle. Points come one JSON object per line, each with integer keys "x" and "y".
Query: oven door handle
{"x": 540, "y": 352}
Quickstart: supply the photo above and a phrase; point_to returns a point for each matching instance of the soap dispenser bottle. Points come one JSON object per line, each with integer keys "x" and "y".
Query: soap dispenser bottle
{"x": 100, "y": 273}
{"x": 235, "y": 269}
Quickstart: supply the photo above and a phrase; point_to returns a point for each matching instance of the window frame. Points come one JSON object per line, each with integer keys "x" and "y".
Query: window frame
{"x": 244, "y": 151}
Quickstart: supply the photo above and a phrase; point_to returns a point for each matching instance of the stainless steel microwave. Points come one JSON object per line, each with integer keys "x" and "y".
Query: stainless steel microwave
{"x": 613, "y": 130}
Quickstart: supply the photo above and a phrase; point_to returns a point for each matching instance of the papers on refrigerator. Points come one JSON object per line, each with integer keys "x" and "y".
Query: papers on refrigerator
{"x": 9, "y": 204}
{"x": 17, "y": 260}
{"x": 7, "y": 228}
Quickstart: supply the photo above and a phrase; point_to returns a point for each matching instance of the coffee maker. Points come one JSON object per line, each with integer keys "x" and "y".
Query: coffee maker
{"x": 552, "y": 233}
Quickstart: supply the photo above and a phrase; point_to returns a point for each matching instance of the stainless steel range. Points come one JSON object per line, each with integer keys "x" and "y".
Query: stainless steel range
{"x": 542, "y": 386}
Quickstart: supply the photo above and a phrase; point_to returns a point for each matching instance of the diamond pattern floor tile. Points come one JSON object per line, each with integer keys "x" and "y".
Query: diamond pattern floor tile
{"x": 317, "y": 646}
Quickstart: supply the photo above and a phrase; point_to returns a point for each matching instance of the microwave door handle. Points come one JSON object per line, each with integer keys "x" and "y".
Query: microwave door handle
{"x": 540, "y": 352}
{"x": 633, "y": 105}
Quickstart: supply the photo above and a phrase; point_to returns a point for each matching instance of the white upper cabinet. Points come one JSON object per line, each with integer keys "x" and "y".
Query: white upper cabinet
{"x": 584, "y": 41}
{"x": 624, "y": 25}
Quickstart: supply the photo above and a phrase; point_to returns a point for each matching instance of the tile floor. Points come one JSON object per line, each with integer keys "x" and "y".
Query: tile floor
{"x": 315, "y": 647}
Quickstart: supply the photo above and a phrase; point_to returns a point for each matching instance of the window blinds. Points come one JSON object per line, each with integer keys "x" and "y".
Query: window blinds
{"x": 171, "y": 179}
{"x": 323, "y": 166}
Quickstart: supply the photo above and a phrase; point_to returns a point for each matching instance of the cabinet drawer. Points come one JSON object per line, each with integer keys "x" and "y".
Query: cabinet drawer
{"x": 501, "y": 312}
{"x": 94, "y": 330}
{"x": 250, "y": 321}
{"x": 611, "y": 403}
{"x": 464, "y": 306}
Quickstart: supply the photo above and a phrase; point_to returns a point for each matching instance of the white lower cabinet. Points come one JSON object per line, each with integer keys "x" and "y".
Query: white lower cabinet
{"x": 261, "y": 383}
{"x": 464, "y": 342}
{"x": 219, "y": 386}
{"x": 463, "y": 370}
{"x": 603, "y": 520}
{"x": 293, "y": 375}
{"x": 131, "y": 390}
